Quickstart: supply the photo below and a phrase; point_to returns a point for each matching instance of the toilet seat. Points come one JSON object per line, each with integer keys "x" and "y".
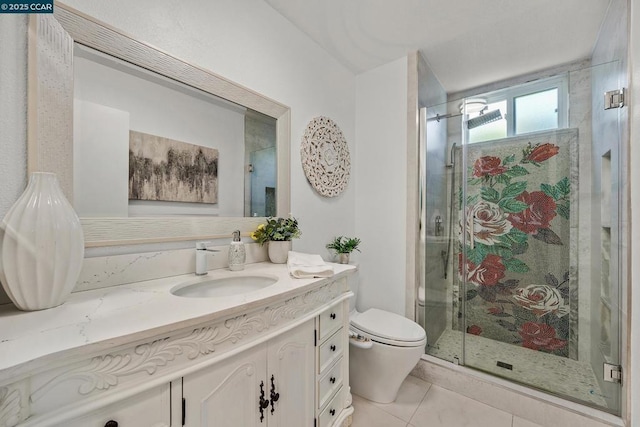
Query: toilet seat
{"x": 388, "y": 328}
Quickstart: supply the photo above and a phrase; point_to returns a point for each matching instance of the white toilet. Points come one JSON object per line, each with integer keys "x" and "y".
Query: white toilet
{"x": 384, "y": 348}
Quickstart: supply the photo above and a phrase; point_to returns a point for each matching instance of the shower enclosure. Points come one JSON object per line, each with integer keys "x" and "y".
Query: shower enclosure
{"x": 521, "y": 232}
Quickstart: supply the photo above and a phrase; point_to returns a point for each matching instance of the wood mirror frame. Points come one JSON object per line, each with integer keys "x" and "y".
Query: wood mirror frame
{"x": 50, "y": 122}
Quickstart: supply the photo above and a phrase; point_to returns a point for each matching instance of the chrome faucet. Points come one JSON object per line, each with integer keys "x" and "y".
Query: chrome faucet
{"x": 201, "y": 257}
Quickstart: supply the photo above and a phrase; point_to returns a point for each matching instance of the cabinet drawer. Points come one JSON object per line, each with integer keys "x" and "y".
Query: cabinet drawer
{"x": 329, "y": 383}
{"x": 330, "y": 320}
{"x": 330, "y": 350}
{"x": 150, "y": 408}
{"x": 332, "y": 411}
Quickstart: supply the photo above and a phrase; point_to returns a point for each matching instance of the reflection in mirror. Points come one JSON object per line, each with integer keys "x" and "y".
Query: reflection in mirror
{"x": 260, "y": 158}
{"x": 183, "y": 116}
{"x": 146, "y": 145}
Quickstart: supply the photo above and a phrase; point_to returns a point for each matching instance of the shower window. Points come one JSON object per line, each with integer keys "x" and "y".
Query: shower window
{"x": 536, "y": 111}
{"x": 532, "y": 107}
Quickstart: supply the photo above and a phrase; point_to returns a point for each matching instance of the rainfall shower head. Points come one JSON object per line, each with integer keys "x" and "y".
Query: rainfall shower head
{"x": 483, "y": 119}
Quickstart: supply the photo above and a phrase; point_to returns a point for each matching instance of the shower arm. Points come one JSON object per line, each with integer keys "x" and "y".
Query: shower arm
{"x": 438, "y": 117}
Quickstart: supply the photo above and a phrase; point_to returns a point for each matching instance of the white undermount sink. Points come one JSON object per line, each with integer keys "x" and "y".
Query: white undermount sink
{"x": 222, "y": 286}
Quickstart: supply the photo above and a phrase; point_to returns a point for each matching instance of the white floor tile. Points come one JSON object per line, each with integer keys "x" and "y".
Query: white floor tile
{"x": 365, "y": 414}
{"x": 411, "y": 393}
{"x": 443, "y": 408}
{"x": 521, "y": 422}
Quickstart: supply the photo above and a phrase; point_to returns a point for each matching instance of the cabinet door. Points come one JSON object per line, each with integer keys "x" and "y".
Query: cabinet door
{"x": 227, "y": 394}
{"x": 148, "y": 409}
{"x": 291, "y": 364}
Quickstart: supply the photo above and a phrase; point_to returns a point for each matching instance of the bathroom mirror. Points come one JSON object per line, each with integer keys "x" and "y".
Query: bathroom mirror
{"x": 55, "y": 42}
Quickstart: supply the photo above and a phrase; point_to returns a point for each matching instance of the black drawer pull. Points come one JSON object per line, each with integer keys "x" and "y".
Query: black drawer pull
{"x": 333, "y": 316}
{"x": 332, "y": 412}
{"x": 111, "y": 423}
{"x": 333, "y": 347}
{"x": 332, "y": 380}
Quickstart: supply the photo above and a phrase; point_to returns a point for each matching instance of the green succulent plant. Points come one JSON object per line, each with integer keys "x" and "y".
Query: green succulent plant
{"x": 344, "y": 245}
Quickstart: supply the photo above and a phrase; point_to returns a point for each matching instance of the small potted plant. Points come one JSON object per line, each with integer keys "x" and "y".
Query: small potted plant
{"x": 278, "y": 232}
{"x": 343, "y": 246}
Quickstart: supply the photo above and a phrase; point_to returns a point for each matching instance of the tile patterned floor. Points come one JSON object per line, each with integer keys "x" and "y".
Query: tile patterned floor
{"x": 566, "y": 377}
{"x": 420, "y": 404}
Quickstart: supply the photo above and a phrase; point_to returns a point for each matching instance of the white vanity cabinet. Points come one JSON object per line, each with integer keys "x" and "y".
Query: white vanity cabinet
{"x": 279, "y": 360}
{"x": 271, "y": 384}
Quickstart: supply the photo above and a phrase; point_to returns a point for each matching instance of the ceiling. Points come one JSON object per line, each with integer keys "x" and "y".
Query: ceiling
{"x": 468, "y": 43}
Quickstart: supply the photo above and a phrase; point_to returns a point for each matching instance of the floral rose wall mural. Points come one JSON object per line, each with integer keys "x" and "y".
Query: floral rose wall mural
{"x": 516, "y": 242}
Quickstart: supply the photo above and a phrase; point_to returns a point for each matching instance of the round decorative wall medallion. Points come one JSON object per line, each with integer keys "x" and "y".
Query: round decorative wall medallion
{"x": 325, "y": 157}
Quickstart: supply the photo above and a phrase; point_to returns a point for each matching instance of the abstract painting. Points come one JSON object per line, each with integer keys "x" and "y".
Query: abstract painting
{"x": 169, "y": 170}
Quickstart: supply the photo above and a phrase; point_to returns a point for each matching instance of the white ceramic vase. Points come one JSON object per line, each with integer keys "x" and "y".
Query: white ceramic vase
{"x": 41, "y": 246}
{"x": 279, "y": 251}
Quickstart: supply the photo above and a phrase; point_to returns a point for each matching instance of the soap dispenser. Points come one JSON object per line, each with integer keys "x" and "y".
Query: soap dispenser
{"x": 237, "y": 254}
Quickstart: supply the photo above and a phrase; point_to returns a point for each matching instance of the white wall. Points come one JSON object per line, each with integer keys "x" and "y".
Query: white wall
{"x": 244, "y": 41}
{"x": 381, "y": 185}
{"x": 13, "y": 110}
{"x": 13, "y": 113}
{"x": 100, "y": 160}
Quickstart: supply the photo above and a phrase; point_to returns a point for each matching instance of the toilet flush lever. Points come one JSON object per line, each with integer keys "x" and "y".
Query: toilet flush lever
{"x": 360, "y": 342}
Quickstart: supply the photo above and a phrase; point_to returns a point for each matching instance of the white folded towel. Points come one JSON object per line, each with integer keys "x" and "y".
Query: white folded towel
{"x": 306, "y": 266}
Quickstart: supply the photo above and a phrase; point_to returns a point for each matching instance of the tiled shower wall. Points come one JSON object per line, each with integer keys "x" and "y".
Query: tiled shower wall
{"x": 579, "y": 118}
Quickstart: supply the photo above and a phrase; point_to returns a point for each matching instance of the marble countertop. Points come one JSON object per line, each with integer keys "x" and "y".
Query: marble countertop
{"x": 93, "y": 321}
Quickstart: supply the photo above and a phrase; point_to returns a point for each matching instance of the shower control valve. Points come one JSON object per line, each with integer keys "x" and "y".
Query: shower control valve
{"x": 438, "y": 223}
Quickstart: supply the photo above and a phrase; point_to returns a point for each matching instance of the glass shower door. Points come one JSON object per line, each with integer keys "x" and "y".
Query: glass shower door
{"x": 537, "y": 250}
{"x": 438, "y": 304}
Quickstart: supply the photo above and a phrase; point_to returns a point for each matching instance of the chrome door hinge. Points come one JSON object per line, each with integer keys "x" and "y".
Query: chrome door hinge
{"x": 614, "y": 99}
{"x": 612, "y": 373}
